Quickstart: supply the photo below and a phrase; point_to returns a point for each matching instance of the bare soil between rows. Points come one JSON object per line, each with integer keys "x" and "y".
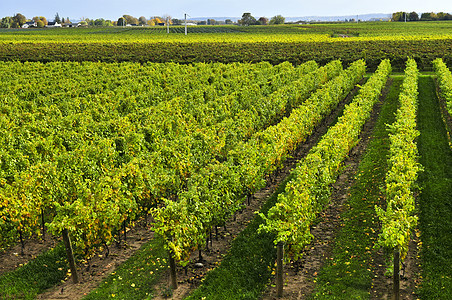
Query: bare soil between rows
{"x": 11, "y": 258}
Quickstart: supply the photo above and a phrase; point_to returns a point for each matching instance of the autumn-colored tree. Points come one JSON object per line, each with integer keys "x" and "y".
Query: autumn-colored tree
{"x": 263, "y": 21}
{"x": 156, "y": 21}
{"x": 130, "y": 19}
{"x": 42, "y": 19}
{"x": 18, "y": 20}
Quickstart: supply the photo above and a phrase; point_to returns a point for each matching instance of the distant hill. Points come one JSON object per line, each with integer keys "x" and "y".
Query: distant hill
{"x": 365, "y": 17}
{"x": 233, "y": 19}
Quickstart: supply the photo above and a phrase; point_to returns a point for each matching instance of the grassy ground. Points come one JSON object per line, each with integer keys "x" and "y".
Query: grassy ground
{"x": 41, "y": 273}
{"x": 435, "y": 206}
{"x": 135, "y": 278}
{"x": 348, "y": 275}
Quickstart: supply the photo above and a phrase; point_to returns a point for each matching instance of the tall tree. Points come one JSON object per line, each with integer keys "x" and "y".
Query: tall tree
{"x": 247, "y": 19}
{"x": 276, "y": 20}
{"x": 99, "y": 22}
{"x": 6, "y": 22}
{"x": 263, "y": 21}
{"x": 177, "y": 21}
{"x": 121, "y": 22}
{"x": 142, "y": 20}
{"x": 18, "y": 20}
{"x": 130, "y": 19}
{"x": 413, "y": 16}
{"x": 443, "y": 16}
{"x": 40, "y": 18}
{"x": 57, "y": 18}
{"x": 428, "y": 16}
{"x": 398, "y": 16}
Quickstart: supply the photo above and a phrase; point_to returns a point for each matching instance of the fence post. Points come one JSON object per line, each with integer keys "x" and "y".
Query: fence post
{"x": 396, "y": 278}
{"x": 279, "y": 269}
{"x": 70, "y": 255}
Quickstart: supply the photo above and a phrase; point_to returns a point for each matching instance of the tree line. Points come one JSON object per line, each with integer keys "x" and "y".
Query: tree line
{"x": 413, "y": 16}
{"x": 247, "y": 19}
{"x": 18, "y": 20}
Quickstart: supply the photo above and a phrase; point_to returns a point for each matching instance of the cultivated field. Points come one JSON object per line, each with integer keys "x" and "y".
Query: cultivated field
{"x": 136, "y": 164}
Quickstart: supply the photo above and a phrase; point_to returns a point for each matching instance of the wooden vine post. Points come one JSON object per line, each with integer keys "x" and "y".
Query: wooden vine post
{"x": 279, "y": 269}
{"x": 70, "y": 255}
{"x": 43, "y": 225}
{"x": 22, "y": 243}
{"x": 396, "y": 276}
{"x": 172, "y": 263}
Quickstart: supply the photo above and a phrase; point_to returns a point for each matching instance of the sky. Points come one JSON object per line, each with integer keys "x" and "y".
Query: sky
{"x": 113, "y": 9}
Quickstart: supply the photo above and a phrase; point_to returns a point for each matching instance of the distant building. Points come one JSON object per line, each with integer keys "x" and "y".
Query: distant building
{"x": 29, "y": 24}
{"x": 53, "y": 24}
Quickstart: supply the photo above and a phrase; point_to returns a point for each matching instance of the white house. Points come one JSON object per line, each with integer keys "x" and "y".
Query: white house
{"x": 53, "y": 24}
{"x": 29, "y": 24}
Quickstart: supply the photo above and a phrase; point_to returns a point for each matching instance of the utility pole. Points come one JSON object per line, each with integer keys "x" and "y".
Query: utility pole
{"x": 185, "y": 23}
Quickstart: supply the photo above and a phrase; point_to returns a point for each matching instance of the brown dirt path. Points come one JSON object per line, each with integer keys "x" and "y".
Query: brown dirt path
{"x": 11, "y": 259}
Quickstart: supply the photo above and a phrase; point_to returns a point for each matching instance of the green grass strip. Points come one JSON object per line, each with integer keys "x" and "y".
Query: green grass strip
{"x": 247, "y": 269}
{"x": 41, "y": 273}
{"x": 435, "y": 209}
{"x": 349, "y": 274}
{"x": 135, "y": 278}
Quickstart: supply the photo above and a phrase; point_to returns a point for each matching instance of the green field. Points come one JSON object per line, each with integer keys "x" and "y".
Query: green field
{"x": 373, "y": 42}
{"x": 391, "y": 31}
